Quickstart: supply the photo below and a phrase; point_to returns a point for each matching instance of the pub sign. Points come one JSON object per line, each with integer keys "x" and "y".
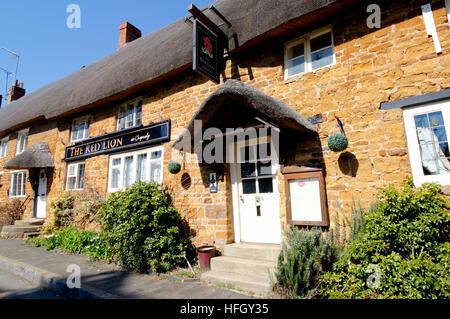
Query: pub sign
{"x": 208, "y": 52}
{"x": 119, "y": 141}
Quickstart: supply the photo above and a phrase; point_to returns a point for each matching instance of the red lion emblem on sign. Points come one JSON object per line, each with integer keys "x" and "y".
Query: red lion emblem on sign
{"x": 207, "y": 47}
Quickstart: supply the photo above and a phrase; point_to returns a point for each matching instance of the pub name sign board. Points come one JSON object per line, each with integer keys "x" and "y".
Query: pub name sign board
{"x": 119, "y": 141}
{"x": 208, "y": 52}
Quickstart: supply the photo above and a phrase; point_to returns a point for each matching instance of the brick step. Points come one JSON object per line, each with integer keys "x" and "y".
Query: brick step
{"x": 237, "y": 281}
{"x": 261, "y": 269}
{"x": 267, "y": 252}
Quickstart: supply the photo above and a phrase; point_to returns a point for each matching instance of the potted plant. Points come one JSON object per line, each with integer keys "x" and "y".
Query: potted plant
{"x": 174, "y": 167}
{"x": 204, "y": 254}
{"x": 337, "y": 142}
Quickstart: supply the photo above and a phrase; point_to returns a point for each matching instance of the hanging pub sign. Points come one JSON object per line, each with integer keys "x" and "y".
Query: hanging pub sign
{"x": 119, "y": 141}
{"x": 208, "y": 52}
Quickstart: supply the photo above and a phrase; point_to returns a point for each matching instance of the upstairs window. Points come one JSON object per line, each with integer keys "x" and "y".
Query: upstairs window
{"x": 18, "y": 180}
{"x": 75, "y": 176}
{"x": 427, "y": 132}
{"x": 129, "y": 115}
{"x": 80, "y": 129}
{"x": 309, "y": 53}
{"x": 22, "y": 141}
{"x": 4, "y": 147}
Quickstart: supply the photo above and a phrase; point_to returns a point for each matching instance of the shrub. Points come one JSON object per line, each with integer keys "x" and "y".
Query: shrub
{"x": 403, "y": 252}
{"x": 78, "y": 242}
{"x": 11, "y": 211}
{"x": 143, "y": 230}
{"x": 304, "y": 256}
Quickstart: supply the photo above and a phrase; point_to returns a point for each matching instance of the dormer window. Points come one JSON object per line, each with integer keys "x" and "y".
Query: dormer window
{"x": 80, "y": 129}
{"x": 22, "y": 141}
{"x": 309, "y": 53}
{"x": 130, "y": 115}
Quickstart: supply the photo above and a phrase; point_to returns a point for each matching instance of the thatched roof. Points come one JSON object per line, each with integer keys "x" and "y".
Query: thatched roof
{"x": 153, "y": 57}
{"x": 37, "y": 156}
{"x": 245, "y": 96}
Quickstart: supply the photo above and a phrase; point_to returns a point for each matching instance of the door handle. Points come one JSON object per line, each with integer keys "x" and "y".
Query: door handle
{"x": 240, "y": 197}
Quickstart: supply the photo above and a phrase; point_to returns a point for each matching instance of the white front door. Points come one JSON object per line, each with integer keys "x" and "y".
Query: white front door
{"x": 256, "y": 197}
{"x": 41, "y": 201}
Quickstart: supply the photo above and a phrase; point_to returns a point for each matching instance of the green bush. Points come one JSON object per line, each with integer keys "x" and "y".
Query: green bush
{"x": 305, "y": 255}
{"x": 143, "y": 230}
{"x": 78, "y": 242}
{"x": 403, "y": 252}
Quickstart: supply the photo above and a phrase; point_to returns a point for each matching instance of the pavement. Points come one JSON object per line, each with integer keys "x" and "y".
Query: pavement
{"x": 14, "y": 287}
{"x": 98, "y": 280}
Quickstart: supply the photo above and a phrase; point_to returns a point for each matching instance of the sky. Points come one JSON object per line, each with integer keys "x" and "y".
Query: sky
{"x": 49, "y": 50}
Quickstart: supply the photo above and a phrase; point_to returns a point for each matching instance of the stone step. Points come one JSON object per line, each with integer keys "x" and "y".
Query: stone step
{"x": 30, "y": 222}
{"x": 20, "y": 229}
{"x": 31, "y": 235}
{"x": 268, "y": 252}
{"x": 238, "y": 281}
{"x": 262, "y": 269}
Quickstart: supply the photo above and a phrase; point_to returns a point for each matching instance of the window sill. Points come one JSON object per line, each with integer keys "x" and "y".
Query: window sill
{"x": 20, "y": 196}
{"x": 297, "y": 77}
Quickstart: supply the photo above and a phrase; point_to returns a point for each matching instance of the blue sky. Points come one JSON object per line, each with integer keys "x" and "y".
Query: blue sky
{"x": 49, "y": 50}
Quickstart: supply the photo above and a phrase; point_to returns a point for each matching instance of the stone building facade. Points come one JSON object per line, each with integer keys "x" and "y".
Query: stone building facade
{"x": 371, "y": 69}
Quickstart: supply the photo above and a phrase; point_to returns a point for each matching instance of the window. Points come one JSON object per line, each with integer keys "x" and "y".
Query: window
{"x": 309, "y": 53}
{"x": 22, "y": 140}
{"x": 18, "y": 180}
{"x": 427, "y": 128}
{"x": 75, "y": 176}
{"x": 130, "y": 115}
{"x": 4, "y": 147}
{"x": 80, "y": 129}
{"x": 126, "y": 169}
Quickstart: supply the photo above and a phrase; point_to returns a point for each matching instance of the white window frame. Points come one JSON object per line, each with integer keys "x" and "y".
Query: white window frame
{"x": 23, "y": 187}
{"x": 86, "y": 119}
{"x": 122, "y": 109}
{"x": 4, "y": 142}
{"x": 22, "y": 141}
{"x": 306, "y": 39}
{"x": 76, "y": 164}
{"x": 413, "y": 146}
{"x": 135, "y": 154}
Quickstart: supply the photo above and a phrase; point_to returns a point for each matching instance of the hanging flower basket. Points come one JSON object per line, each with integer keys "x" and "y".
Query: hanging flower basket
{"x": 337, "y": 142}
{"x": 174, "y": 167}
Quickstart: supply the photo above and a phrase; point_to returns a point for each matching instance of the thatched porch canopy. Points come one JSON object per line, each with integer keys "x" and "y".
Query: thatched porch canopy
{"x": 236, "y": 102}
{"x": 37, "y": 156}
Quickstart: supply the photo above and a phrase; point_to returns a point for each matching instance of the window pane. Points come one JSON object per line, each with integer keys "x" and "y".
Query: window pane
{"x": 141, "y": 167}
{"x": 121, "y": 120}
{"x": 138, "y": 114}
{"x": 23, "y": 184}
{"x": 436, "y": 119}
{"x": 440, "y": 134}
{"x": 71, "y": 170}
{"x": 155, "y": 173}
{"x": 71, "y": 183}
{"x": 156, "y": 155}
{"x": 248, "y": 170}
{"x": 264, "y": 168}
{"x": 115, "y": 177}
{"x": 264, "y": 150}
{"x": 296, "y": 51}
{"x": 247, "y": 154}
{"x": 127, "y": 176}
{"x": 265, "y": 185}
{"x": 320, "y": 42}
{"x": 296, "y": 66}
{"x": 80, "y": 176}
{"x": 421, "y": 120}
{"x": 249, "y": 186}
{"x": 116, "y": 162}
{"x": 322, "y": 58}
{"x": 86, "y": 129}
{"x": 444, "y": 149}
{"x": 129, "y": 120}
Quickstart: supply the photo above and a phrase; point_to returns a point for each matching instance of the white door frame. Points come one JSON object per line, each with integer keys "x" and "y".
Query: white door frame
{"x": 234, "y": 177}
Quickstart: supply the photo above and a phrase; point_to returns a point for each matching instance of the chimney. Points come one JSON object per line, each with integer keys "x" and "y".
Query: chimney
{"x": 16, "y": 92}
{"x": 128, "y": 33}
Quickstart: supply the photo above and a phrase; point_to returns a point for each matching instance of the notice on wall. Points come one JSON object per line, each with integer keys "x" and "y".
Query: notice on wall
{"x": 305, "y": 199}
